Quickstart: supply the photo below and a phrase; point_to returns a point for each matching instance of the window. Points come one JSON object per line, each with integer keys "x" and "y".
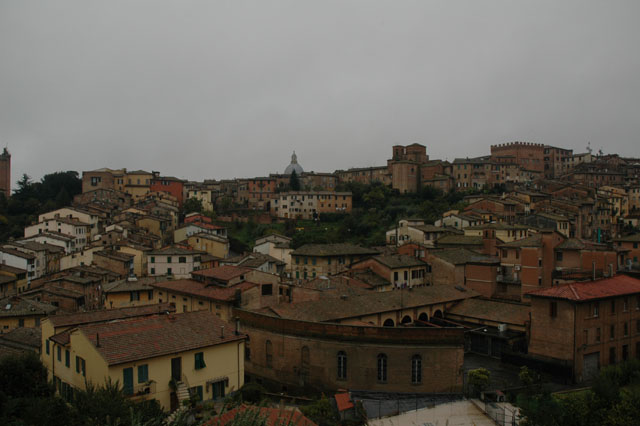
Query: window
{"x": 77, "y": 364}
{"x": 134, "y": 295}
{"x": 559, "y": 256}
{"x": 553, "y": 309}
{"x": 199, "y": 360}
{"x": 143, "y": 373}
{"x": 612, "y": 355}
{"x": 269, "y": 354}
{"x": 306, "y": 260}
{"x": 153, "y": 271}
{"x": 596, "y": 309}
{"x": 59, "y": 354}
{"x": 416, "y": 369}
{"x": 625, "y": 352}
{"x": 625, "y": 304}
{"x": 313, "y": 260}
{"x": 182, "y": 259}
{"x": 382, "y": 368}
{"x": 150, "y": 295}
{"x": 47, "y": 344}
{"x": 342, "y": 365}
{"x": 169, "y": 271}
{"x": 613, "y": 306}
{"x": 21, "y": 322}
{"x": 612, "y": 331}
{"x": 267, "y": 289}
{"x": 625, "y": 329}
{"x": 153, "y": 259}
{"x": 168, "y": 259}
{"x": 67, "y": 358}
{"x": 598, "y": 334}
{"x": 247, "y": 349}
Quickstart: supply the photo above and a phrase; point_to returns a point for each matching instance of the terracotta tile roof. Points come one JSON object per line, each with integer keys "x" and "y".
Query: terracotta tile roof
{"x": 102, "y": 315}
{"x": 142, "y": 338}
{"x": 532, "y": 241}
{"x": 17, "y": 253}
{"x": 580, "y": 244}
{"x": 460, "y": 256}
{"x": 459, "y": 240}
{"x": 223, "y": 273}
{"x": 196, "y": 288}
{"x": 341, "y": 249}
{"x": 619, "y": 285}
{"x": 23, "y": 335}
{"x": 16, "y": 306}
{"x": 629, "y": 239}
{"x": 399, "y": 261}
{"x": 123, "y": 286}
{"x": 173, "y": 250}
{"x": 12, "y": 270}
{"x": 273, "y": 416}
{"x": 337, "y": 308}
{"x": 492, "y": 310}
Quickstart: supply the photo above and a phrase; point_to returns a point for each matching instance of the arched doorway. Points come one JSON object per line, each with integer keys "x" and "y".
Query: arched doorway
{"x": 388, "y": 323}
{"x": 423, "y": 317}
{"x": 406, "y": 320}
{"x": 438, "y": 314}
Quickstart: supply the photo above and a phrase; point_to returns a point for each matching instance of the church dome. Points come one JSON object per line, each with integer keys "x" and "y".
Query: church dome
{"x": 294, "y": 166}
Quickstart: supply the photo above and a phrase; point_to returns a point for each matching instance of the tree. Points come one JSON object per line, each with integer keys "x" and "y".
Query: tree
{"x": 192, "y": 205}
{"x": 294, "y": 182}
{"x": 479, "y": 380}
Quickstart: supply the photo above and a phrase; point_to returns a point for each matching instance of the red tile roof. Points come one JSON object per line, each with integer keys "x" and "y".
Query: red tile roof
{"x": 158, "y": 335}
{"x": 223, "y": 273}
{"x": 195, "y": 288}
{"x": 273, "y": 416}
{"x": 618, "y": 285}
{"x": 108, "y": 315}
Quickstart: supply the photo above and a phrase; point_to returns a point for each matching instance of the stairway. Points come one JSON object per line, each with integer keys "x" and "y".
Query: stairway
{"x": 182, "y": 391}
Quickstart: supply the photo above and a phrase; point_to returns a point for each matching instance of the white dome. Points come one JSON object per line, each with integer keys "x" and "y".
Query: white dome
{"x": 293, "y": 166}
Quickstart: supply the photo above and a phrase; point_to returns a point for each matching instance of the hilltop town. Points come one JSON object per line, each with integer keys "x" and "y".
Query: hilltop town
{"x": 386, "y": 288}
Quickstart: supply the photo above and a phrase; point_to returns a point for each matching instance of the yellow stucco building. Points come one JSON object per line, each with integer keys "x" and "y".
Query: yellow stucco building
{"x": 162, "y": 356}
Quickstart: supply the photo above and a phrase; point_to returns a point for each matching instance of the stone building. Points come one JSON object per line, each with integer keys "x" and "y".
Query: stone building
{"x": 588, "y": 325}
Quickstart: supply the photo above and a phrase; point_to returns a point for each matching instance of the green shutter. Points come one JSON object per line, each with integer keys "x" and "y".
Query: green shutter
{"x": 143, "y": 373}
{"x": 199, "y": 358}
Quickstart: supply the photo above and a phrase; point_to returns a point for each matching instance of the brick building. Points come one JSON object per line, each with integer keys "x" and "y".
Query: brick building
{"x": 168, "y": 185}
{"x": 5, "y": 173}
{"x": 338, "y": 343}
{"x": 405, "y": 165}
{"x": 557, "y": 161}
{"x": 527, "y": 155}
{"x": 587, "y": 325}
{"x": 309, "y": 204}
{"x": 312, "y": 260}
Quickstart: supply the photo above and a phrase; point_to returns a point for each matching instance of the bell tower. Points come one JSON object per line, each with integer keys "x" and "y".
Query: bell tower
{"x": 5, "y": 172}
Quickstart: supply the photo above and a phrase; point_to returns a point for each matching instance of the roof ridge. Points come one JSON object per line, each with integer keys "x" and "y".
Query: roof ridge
{"x": 573, "y": 290}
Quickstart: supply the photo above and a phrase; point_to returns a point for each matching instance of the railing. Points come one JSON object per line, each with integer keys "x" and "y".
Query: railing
{"x": 507, "y": 279}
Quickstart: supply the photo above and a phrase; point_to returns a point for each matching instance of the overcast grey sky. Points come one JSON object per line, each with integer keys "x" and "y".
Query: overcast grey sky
{"x": 222, "y": 89}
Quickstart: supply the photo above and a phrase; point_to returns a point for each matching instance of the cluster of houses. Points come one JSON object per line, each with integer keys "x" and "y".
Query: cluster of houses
{"x": 120, "y": 285}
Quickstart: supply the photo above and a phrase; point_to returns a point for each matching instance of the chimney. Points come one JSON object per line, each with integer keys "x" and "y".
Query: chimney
{"x": 222, "y": 331}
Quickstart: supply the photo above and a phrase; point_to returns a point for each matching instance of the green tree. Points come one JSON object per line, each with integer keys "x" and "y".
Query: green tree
{"x": 321, "y": 412}
{"x": 294, "y": 181}
{"x": 192, "y": 205}
{"x": 479, "y": 380}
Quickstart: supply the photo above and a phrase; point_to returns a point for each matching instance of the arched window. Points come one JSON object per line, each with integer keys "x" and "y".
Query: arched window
{"x": 382, "y": 368}
{"x": 342, "y": 365}
{"x": 388, "y": 323}
{"x": 416, "y": 369}
{"x": 406, "y": 320}
{"x": 269, "y": 353}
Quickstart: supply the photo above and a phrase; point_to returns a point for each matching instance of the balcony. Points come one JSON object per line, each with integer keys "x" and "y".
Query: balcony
{"x": 508, "y": 279}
